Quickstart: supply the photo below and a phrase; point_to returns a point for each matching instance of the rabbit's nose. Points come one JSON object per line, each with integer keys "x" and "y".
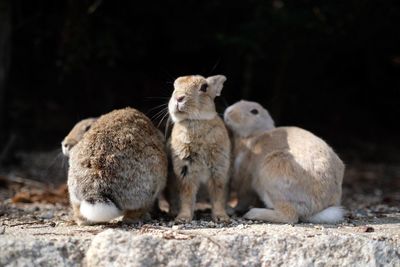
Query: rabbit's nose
{"x": 180, "y": 98}
{"x": 67, "y": 146}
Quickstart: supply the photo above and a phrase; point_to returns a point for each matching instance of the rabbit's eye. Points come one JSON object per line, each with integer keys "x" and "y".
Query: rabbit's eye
{"x": 203, "y": 88}
{"x": 254, "y": 111}
{"x": 87, "y": 128}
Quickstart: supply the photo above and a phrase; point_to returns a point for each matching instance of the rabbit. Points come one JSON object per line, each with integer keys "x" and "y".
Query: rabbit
{"x": 294, "y": 173}
{"x": 199, "y": 145}
{"x": 118, "y": 168}
{"x": 76, "y": 134}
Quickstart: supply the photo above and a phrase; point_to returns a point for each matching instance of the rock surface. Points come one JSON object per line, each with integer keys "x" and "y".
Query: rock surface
{"x": 255, "y": 246}
{"x": 28, "y": 251}
{"x": 29, "y": 240}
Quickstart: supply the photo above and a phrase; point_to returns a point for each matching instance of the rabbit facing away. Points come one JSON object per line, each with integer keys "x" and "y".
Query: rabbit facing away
{"x": 117, "y": 168}
{"x": 293, "y": 172}
{"x": 199, "y": 145}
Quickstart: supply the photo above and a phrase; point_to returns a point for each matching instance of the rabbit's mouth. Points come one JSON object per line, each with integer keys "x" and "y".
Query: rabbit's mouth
{"x": 179, "y": 108}
{"x": 178, "y": 111}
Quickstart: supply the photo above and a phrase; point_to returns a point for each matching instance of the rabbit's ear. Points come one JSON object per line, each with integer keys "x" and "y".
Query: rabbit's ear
{"x": 215, "y": 84}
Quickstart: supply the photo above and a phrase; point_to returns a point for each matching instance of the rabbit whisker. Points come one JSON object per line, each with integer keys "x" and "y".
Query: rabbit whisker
{"x": 163, "y": 118}
{"x": 157, "y": 97}
{"x": 162, "y": 109}
{"x": 160, "y": 114}
{"x": 157, "y": 107}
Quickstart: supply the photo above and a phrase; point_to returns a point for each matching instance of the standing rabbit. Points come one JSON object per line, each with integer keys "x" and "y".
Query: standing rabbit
{"x": 199, "y": 144}
{"x": 117, "y": 168}
{"x": 296, "y": 174}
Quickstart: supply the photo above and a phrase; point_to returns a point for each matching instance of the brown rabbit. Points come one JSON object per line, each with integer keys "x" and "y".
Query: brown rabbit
{"x": 295, "y": 173}
{"x": 199, "y": 144}
{"x": 117, "y": 168}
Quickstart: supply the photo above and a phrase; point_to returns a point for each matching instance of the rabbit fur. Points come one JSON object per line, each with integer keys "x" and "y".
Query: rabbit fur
{"x": 294, "y": 173}
{"x": 199, "y": 145}
{"x": 117, "y": 168}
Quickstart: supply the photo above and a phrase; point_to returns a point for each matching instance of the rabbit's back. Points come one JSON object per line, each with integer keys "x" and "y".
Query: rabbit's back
{"x": 121, "y": 158}
{"x": 300, "y": 167}
{"x": 311, "y": 152}
{"x": 308, "y": 151}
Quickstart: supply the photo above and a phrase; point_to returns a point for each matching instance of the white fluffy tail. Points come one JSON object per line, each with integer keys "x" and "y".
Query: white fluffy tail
{"x": 330, "y": 215}
{"x": 100, "y": 211}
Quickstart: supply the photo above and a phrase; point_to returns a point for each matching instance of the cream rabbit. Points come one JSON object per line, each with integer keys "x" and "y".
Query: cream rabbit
{"x": 117, "y": 168}
{"x": 296, "y": 174}
{"x": 199, "y": 144}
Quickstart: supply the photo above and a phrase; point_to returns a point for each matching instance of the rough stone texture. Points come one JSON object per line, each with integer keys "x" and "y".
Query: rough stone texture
{"x": 160, "y": 243}
{"x": 259, "y": 247}
{"x": 28, "y": 251}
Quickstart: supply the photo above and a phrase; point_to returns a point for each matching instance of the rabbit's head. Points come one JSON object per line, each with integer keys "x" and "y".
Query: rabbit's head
{"x": 76, "y": 134}
{"x": 193, "y": 97}
{"x": 247, "y": 118}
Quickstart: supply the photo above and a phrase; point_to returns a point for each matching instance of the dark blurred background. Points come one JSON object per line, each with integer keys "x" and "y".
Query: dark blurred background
{"x": 332, "y": 67}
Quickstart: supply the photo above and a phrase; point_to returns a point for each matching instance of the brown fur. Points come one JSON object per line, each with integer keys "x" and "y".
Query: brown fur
{"x": 121, "y": 159}
{"x": 199, "y": 145}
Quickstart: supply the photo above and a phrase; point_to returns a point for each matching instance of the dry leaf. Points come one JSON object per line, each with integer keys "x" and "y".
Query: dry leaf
{"x": 59, "y": 195}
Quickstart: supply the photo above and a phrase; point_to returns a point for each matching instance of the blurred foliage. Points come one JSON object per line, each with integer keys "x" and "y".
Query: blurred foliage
{"x": 330, "y": 66}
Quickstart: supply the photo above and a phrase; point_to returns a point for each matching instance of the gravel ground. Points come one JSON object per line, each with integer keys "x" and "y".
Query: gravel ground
{"x": 41, "y": 233}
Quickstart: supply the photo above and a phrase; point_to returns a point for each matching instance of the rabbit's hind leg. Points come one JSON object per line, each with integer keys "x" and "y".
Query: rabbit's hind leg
{"x": 217, "y": 190}
{"x": 283, "y": 212}
{"x": 134, "y": 216}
